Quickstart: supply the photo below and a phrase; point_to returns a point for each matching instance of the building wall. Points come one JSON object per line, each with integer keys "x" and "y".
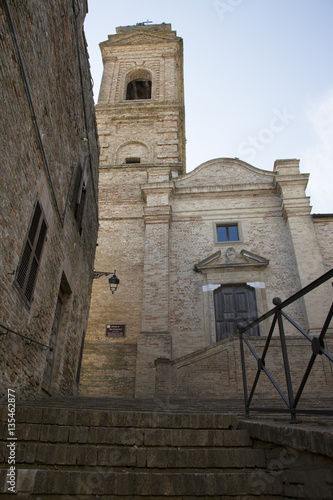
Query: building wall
{"x": 153, "y": 128}
{"x": 158, "y": 229}
{"x": 47, "y": 134}
{"x": 323, "y": 224}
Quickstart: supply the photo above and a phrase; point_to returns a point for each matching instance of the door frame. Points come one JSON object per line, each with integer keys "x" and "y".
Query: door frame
{"x": 251, "y": 298}
{"x": 213, "y": 280}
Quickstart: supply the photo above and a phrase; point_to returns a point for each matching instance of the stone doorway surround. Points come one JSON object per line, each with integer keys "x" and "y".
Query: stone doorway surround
{"x": 230, "y": 268}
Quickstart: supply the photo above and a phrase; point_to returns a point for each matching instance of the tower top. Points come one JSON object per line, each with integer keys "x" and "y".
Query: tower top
{"x": 143, "y": 26}
{"x": 141, "y": 100}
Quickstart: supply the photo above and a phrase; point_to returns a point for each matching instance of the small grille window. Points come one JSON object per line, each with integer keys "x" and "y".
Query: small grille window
{"x": 133, "y": 160}
{"x": 32, "y": 252}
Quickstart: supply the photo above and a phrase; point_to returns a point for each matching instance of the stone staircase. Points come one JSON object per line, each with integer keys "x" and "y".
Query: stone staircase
{"x": 100, "y": 451}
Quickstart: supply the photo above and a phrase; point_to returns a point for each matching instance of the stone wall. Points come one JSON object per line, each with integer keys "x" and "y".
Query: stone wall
{"x": 323, "y": 224}
{"x": 300, "y": 456}
{"x": 47, "y": 135}
{"x": 109, "y": 370}
{"x": 215, "y": 372}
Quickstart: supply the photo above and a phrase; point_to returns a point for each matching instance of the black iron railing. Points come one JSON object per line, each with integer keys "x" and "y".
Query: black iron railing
{"x": 4, "y": 330}
{"x": 317, "y": 344}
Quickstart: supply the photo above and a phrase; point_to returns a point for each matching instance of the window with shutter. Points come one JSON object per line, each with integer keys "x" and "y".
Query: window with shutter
{"x": 32, "y": 252}
{"x": 81, "y": 201}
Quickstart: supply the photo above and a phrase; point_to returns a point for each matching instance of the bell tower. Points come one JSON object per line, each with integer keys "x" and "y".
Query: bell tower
{"x": 141, "y": 100}
{"x": 141, "y": 125}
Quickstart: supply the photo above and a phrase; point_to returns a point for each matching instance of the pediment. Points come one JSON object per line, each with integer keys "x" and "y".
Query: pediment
{"x": 225, "y": 172}
{"x": 137, "y": 38}
{"x": 231, "y": 258}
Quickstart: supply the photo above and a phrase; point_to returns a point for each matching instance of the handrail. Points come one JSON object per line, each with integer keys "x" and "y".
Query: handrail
{"x": 27, "y": 339}
{"x": 318, "y": 347}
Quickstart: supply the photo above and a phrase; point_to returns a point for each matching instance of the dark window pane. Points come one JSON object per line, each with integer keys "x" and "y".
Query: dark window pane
{"x": 233, "y": 233}
{"x": 31, "y": 280}
{"x": 132, "y": 160}
{"x": 24, "y": 265}
{"x": 40, "y": 241}
{"x": 34, "y": 224}
{"x": 138, "y": 89}
{"x": 27, "y": 270}
{"x": 227, "y": 233}
{"x": 222, "y": 233}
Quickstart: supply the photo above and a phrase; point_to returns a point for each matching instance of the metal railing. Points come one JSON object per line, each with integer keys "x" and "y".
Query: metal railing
{"x": 317, "y": 343}
{"x": 4, "y": 330}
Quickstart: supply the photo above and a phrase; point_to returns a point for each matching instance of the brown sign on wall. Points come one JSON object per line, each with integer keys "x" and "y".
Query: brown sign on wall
{"x": 115, "y": 331}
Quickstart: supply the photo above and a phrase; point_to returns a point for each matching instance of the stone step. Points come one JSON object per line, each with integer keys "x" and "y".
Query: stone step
{"x": 111, "y": 418}
{"x": 138, "y": 457}
{"x": 53, "y": 433}
{"x": 46, "y": 484}
{"x": 66, "y": 451}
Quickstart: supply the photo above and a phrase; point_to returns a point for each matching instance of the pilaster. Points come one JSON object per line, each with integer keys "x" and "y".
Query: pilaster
{"x": 155, "y": 340}
{"x": 291, "y": 185}
{"x": 109, "y": 63}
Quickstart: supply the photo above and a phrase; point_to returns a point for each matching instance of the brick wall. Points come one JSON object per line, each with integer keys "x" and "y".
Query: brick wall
{"x": 323, "y": 227}
{"x": 42, "y": 158}
{"x": 215, "y": 372}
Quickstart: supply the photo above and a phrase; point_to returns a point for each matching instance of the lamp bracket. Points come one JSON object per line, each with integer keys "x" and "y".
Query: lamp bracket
{"x": 98, "y": 274}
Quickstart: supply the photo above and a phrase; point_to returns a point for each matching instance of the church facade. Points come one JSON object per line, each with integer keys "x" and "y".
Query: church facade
{"x": 195, "y": 253}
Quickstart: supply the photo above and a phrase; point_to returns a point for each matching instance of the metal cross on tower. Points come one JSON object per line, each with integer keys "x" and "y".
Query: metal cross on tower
{"x": 144, "y": 22}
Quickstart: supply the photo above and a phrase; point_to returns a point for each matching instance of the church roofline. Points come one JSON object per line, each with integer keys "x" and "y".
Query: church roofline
{"x": 322, "y": 216}
{"x": 228, "y": 162}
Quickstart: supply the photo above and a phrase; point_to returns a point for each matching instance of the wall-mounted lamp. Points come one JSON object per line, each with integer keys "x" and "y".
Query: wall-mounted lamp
{"x": 113, "y": 281}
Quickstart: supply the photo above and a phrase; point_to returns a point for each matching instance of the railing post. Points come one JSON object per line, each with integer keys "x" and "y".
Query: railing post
{"x": 239, "y": 327}
{"x": 277, "y": 301}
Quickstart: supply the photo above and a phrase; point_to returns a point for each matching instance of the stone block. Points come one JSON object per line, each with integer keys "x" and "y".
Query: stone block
{"x": 78, "y": 434}
{"x": 25, "y": 480}
{"x": 54, "y": 433}
{"x": 116, "y": 456}
{"x": 28, "y": 432}
{"x": 71, "y": 454}
{"x": 87, "y": 455}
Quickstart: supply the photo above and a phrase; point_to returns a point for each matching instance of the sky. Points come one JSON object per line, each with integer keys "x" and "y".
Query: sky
{"x": 258, "y": 78}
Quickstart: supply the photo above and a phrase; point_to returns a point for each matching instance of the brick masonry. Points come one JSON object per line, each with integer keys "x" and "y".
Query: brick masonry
{"x": 45, "y": 134}
{"x": 158, "y": 224}
{"x": 215, "y": 372}
{"x": 134, "y": 449}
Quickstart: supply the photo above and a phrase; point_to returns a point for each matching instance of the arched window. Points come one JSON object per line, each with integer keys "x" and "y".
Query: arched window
{"x": 139, "y": 85}
{"x": 138, "y": 89}
{"x": 133, "y": 152}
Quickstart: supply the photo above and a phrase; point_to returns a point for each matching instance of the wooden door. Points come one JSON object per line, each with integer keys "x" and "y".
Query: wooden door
{"x": 234, "y": 303}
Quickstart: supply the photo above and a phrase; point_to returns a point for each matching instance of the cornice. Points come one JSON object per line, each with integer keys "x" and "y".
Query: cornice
{"x": 255, "y": 187}
{"x": 139, "y": 105}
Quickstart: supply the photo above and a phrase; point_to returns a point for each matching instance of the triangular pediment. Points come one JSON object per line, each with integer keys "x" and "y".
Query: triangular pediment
{"x": 138, "y": 38}
{"x": 231, "y": 258}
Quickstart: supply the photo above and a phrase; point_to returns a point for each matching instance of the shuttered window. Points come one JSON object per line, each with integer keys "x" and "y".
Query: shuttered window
{"x": 30, "y": 260}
